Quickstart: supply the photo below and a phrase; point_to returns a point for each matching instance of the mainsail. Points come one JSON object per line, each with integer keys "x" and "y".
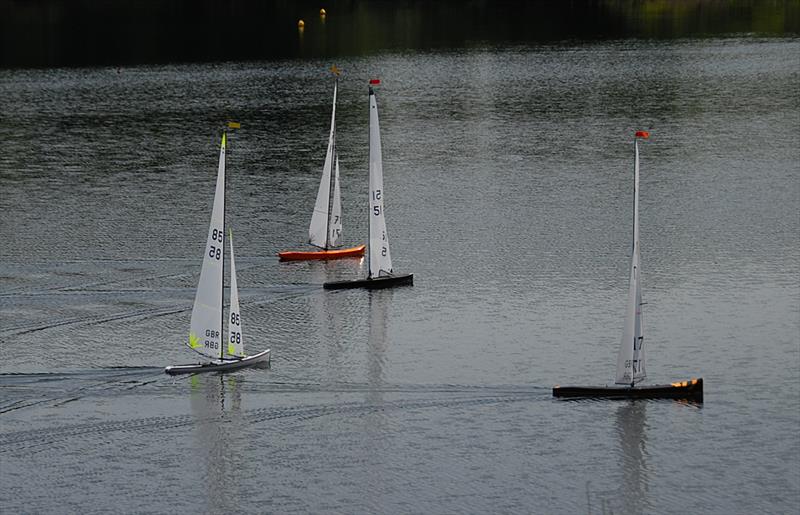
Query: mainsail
{"x": 235, "y": 341}
{"x": 630, "y": 360}
{"x": 320, "y": 227}
{"x": 205, "y": 330}
{"x": 380, "y": 260}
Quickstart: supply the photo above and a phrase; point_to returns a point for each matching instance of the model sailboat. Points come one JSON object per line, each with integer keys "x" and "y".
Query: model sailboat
{"x": 380, "y": 274}
{"x": 205, "y": 330}
{"x": 631, "y": 356}
{"x": 325, "y": 230}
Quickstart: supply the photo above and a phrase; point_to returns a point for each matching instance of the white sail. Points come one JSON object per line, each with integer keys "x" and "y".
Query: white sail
{"x": 380, "y": 259}
{"x": 318, "y": 229}
{"x": 630, "y": 360}
{"x": 235, "y": 339}
{"x": 335, "y": 230}
{"x": 205, "y": 331}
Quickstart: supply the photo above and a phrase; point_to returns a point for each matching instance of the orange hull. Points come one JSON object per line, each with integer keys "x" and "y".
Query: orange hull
{"x": 299, "y": 255}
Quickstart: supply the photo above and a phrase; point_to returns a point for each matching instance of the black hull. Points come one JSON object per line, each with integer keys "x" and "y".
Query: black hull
{"x": 690, "y": 390}
{"x": 377, "y": 282}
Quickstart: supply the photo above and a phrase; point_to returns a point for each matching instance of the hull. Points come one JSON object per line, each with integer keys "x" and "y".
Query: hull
{"x": 691, "y": 390}
{"x": 379, "y": 282}
{"x": 228, "y": 365}
{"x": 300, "y": 255}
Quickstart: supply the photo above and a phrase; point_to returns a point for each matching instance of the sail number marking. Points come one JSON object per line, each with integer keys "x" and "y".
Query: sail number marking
{"x": 376, "y": 209}
{"x": 632, "y": 363}
{"x": 235, "y": 336}
{"x": 215, "y": 251}
{"x": 637, "y": 366}
{"x": 212, "y": 339}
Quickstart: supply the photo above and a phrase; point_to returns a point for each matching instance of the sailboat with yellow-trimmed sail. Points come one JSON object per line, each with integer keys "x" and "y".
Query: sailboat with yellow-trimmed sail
{"x": 206, "y": 326}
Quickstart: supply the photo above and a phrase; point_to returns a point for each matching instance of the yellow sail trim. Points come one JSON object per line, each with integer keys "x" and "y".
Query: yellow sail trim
{"x": 224, "y": 137}
{"x": 194, "y": 341}
{"x": 231, "y": 349}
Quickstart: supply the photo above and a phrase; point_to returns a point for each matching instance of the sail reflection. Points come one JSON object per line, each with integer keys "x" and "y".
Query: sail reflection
{"x": 377, "y": 344}
{"x": 216, "y": 405}
{"x": 330, "y": 315}
{"x": 633, "y": 495}
{"x": 377, "y": 450}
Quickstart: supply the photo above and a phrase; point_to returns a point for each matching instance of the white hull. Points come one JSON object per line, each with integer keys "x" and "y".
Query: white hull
{"x": 226, "y": 365}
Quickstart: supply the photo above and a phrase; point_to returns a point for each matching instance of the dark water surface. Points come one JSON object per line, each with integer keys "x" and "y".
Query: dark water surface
{"x": 54, "y": 33}
{"x": 508, "y": 179}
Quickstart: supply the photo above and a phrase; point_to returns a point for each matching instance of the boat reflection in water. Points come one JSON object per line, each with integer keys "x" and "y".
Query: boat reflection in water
{"x": 377, "y": 345}
{"x": 378, "y": 449}
{"x": 333, "y": 318}
{"x": 631, "y": 426}
{"x": 216, "y": 402}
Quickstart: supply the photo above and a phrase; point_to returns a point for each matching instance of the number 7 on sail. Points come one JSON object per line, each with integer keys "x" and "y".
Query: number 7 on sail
{"x": 325, "y": 230}
{"x": 631, "y": 355}
{"x": 380, "y": 274}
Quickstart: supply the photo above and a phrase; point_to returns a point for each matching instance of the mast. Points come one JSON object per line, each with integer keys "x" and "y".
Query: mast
{"x": 635, "y": 193}
{"x": 222, "y": 290}
{"x": 207, "y": 322}
{"x": 637, "y": 363}
{"x": 369, "y": 213}
{"x": 630, "y": 359}
{"x": 319, "y": 228}
{"x": 633, "y": 240}
{"x": 379, "y": 256}
{"x": 333, "y": 161}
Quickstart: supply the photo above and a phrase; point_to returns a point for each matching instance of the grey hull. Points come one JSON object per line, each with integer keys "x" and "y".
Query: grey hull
{"x": 227, "y": 365}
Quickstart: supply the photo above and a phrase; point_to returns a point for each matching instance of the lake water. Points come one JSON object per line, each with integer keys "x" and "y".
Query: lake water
{"x": 508, "y": 178}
